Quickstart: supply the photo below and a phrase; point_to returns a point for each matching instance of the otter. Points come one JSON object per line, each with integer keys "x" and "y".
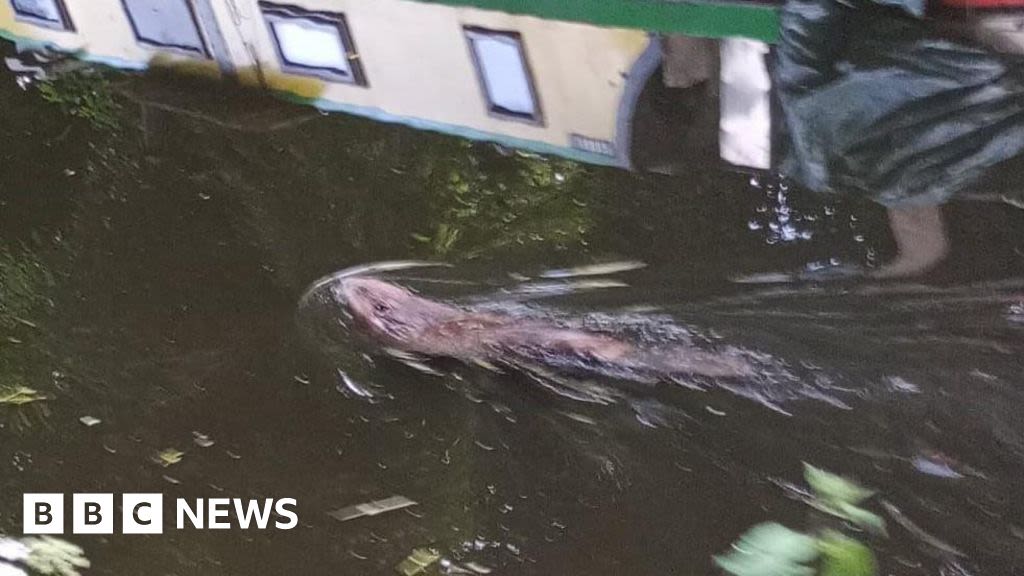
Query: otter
{"x": 399, "y": 319}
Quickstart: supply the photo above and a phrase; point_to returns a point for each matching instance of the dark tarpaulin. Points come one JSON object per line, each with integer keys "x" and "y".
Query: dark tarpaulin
{"x": 874, "y": 102}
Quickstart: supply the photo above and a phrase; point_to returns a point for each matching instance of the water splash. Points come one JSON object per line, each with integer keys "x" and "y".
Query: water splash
{"x": 663, "y": 352}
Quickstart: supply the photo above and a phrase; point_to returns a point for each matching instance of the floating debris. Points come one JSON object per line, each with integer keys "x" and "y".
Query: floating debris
{"x": 764, "y": 278}
{"x": 371, "y": 508}
{"x": 901, "y": 385}
{"x": 417, "y": 562}
{"x": 535, "y": 289}
{"x": 20, "y": 395}
{"x": 595, "y": 269}
{"x": 917, "y": 532}
{"x": 411, "y": 513}
{"x": 201, "y": 440}
{"x": 89, "y": 421}
{"x": 350, "y": 387}
{"x": 580, "y": 418}
{"x": 54, "y": 556}
{"x": 935, "y": 465}
{"x": 411, "y": 360}
{"x": 168, "y": 457}
{"x": 478, "y": 568}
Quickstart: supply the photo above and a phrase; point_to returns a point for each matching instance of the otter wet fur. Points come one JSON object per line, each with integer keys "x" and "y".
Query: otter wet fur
{"x": 399, "y": 319}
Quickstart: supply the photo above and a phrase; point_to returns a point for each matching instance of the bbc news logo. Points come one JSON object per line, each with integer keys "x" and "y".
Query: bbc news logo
{"x": 144, "y": 513}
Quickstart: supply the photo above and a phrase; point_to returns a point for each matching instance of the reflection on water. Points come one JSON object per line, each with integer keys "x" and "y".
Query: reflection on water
{"x": 158, "y": 237}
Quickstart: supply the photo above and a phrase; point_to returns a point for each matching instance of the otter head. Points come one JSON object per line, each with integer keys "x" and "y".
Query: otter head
{"x": 388, "y": 312}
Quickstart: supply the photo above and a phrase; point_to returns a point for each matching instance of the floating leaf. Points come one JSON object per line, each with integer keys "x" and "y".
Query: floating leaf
{"x": 168, "y": 456}
{"x": 834, "y": 488}
{"x": 839, "y": 497}
{"x": 844, "y": 556}
{"x": 20, "y": 395}
{"x": 863, "y": 518}
{"x": 201, "y": 440}
{"x": 594, "y": 269}
{"x": 478, "y": 568}
{"x": 770, "y": 550}
{"x": 371, "y": 508}
{"x": 417, "y": 562}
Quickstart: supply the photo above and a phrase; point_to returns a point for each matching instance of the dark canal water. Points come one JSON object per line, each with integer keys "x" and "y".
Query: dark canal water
{"x": 151, "y": 278}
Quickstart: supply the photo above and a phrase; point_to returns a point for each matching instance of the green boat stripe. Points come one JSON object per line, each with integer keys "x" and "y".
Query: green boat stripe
{"x": 708, "y": 19}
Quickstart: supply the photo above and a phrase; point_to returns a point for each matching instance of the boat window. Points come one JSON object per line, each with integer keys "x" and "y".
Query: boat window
{"x": 167, "y": 24}
{"x": 49, "y": 13}
{"x": 504, "y": 74}
{"x": 313, "y": 43}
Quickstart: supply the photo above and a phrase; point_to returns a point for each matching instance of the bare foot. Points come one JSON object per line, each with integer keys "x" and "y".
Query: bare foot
{"x": 921, "y": 241}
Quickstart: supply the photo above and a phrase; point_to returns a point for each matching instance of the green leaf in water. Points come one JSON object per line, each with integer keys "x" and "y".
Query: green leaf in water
{"x": 168, "y": 457}
{"x": 418, "y": 562}
{"x": 844, "y": 556}
{"x": 19, "y": 395}
{"x": 864, "y": 519}
{"x": 770, "y": 550}
{"x": 839, "y": 497}
{"x": 833, "y": 488}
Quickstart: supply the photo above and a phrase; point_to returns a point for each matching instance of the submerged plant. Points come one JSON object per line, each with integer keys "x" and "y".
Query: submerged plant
{"x": 24, "y": 280}
{"x": 23, "y": 277}
{"x": 482, "y": 205}
{"x": 84, "y": 94}
{"x": 771, "y": 549}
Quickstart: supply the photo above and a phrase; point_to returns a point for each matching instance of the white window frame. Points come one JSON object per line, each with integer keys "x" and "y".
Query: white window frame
{"x": 62, "y": 10}
{"x": 202, "y": 51}
{"x": 273, "y": 12}
{"x": 474, "y": 32}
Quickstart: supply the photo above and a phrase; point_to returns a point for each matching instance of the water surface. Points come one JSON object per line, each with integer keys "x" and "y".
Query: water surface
{"x": 151, "y": 278}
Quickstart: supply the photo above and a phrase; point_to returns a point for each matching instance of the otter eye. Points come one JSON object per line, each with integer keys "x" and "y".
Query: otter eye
{"x": 381, "y": 307}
